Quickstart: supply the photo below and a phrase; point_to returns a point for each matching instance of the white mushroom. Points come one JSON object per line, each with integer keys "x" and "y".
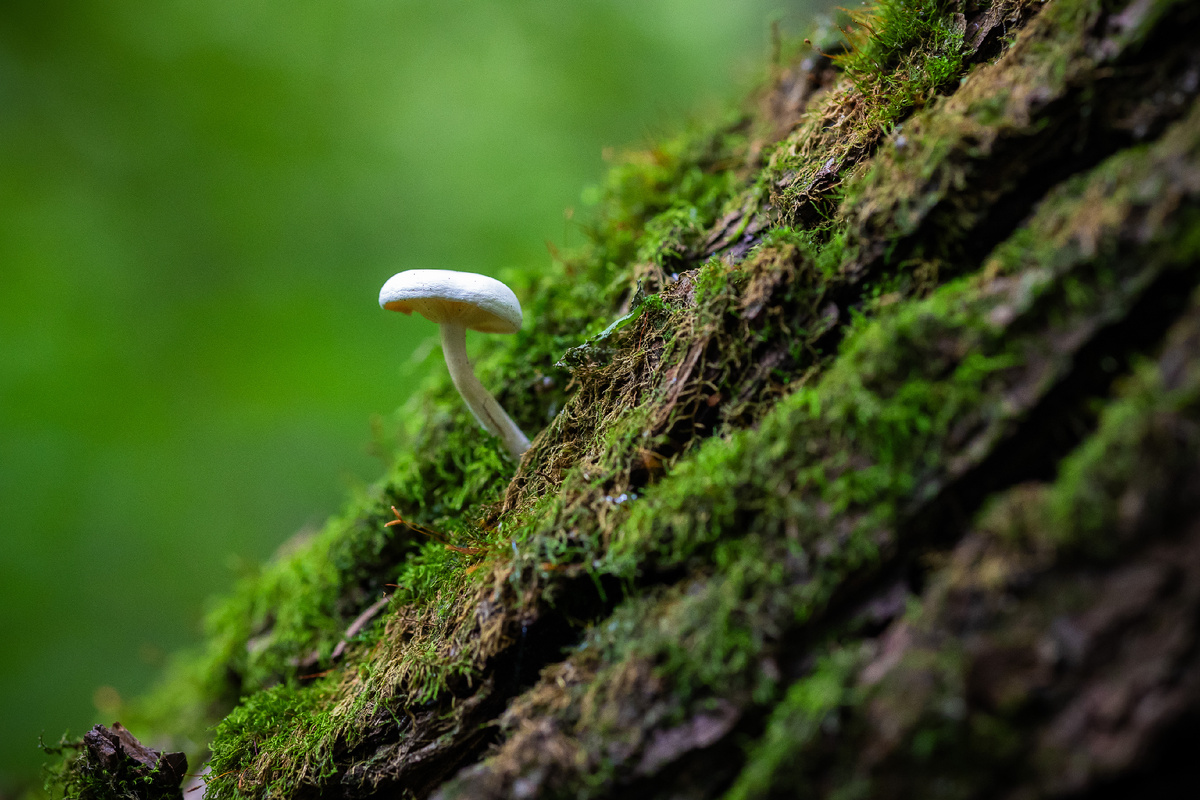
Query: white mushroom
{"x": 457, "y": 301}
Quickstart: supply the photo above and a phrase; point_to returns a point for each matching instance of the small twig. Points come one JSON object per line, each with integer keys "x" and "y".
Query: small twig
{"x": 358, "y": 624}
{"x": 437, "y": 537}
{"x": 399, "y": 520}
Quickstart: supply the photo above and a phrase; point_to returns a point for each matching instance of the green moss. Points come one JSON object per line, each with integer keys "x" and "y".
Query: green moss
{"x": 809, "y": 709}
{"x": 904, "y": 51}
{"x": 278, "y": 739}
{"x": 1132, "y": 454}
{"x": 901, "y": 55}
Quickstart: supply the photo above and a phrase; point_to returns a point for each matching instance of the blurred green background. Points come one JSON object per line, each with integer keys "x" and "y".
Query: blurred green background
{"x": 198, "y": 204}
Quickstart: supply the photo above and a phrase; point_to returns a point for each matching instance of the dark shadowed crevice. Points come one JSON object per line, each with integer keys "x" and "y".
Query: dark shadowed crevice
{"x": 1170, "y": 770}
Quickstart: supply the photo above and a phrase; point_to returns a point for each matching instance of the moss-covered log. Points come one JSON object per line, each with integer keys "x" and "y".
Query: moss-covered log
{"x": 868, "y": 464}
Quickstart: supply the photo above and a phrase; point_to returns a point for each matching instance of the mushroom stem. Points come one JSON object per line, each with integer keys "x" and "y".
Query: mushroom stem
{"x": 483, "y": 406}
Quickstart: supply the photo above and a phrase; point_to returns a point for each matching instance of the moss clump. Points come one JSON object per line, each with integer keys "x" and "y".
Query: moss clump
{"x": 280, "y": 725}
{"x": 901, "y": 55}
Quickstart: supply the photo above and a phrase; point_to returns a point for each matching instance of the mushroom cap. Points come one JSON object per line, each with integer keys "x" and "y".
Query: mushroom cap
{"x": 464, "y": 298}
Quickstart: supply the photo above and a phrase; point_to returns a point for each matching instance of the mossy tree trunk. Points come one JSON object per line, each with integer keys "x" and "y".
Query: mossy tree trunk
{"x": 885, "y": 481}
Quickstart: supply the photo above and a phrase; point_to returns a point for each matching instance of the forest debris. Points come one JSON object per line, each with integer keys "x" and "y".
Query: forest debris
{"x": 701, "y": 731}
{"x": 113, "y": 763}
{"x": 359, "y": 623}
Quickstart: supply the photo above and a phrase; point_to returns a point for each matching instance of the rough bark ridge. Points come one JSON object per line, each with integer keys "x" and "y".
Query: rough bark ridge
{"x": 869, "y": 463}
